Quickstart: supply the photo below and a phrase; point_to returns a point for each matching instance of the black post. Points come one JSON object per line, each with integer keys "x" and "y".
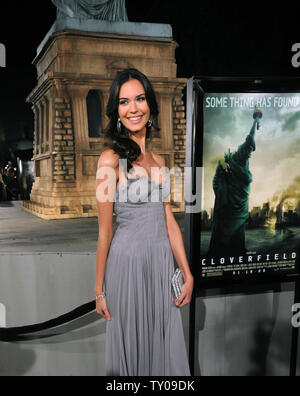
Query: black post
{"x": 192, "y": 334}
{"x": 295, "y": 334}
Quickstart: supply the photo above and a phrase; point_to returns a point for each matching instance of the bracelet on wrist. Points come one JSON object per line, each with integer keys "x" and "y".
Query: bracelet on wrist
{"x": 99, "y": 296}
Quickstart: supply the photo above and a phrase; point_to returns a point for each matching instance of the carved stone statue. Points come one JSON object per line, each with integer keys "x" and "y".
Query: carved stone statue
{"x": 108, "y": 10}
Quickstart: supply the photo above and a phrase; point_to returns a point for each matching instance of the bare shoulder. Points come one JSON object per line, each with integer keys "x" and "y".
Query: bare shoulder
{"x": 109, "y": 158}
{"x": 159, "y": 159}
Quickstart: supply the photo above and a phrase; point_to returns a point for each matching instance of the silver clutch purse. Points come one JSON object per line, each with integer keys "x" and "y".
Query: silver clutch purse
{"x": 177, "y": 282}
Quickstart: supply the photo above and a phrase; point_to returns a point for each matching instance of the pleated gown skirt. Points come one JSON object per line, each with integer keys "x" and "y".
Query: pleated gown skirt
{"x": 145, "y": 335}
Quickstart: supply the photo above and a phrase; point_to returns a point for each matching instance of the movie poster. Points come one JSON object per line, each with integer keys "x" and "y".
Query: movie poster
{"x": 250, "y": 218}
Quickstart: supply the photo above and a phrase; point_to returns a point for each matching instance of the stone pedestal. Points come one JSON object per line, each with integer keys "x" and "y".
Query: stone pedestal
{"x": 70, "y": 64}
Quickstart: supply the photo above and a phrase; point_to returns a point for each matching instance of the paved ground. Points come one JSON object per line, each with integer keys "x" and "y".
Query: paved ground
{"x": 21, "y": 231}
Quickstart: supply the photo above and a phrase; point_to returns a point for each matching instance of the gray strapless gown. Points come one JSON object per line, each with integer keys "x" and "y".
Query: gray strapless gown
{"x": 145, "y": 335}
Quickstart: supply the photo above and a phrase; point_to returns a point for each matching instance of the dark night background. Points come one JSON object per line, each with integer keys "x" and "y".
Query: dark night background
{"x": 215, "y": 38}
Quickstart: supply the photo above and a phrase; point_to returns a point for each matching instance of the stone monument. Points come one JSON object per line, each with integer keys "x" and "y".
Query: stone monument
{"x": 76, "y": 63}
{"x": 108, "y": 10}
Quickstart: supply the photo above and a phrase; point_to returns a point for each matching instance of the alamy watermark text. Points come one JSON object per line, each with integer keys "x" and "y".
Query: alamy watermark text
{"x": 2, "y": 55}
{"x": 296, "y": 56}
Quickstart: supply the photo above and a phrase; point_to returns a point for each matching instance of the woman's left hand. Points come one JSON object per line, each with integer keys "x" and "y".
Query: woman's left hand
{"x": 186, "y": 293}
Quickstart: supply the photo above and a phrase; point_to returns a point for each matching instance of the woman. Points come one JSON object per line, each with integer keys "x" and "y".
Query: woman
{"x": 144, "y": 335}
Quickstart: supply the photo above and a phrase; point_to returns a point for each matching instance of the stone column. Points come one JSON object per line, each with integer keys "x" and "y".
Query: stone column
{"x": 63, "y": 142}
{"x": 179, "y": 132}
{"x": 78, "y": 96}
{"x": 35, "y": 112}
{"x": 166, "y": 121}
{"x": 179, "y": 136}
{"x": 51, "y": 115}
{"x": 44, "y": 125}
{"x": 39, "y": 129}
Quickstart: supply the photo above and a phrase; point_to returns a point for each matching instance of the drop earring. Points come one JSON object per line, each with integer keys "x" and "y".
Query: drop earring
{"x": 150, "y": 122}
{"x": 119, "y": 125}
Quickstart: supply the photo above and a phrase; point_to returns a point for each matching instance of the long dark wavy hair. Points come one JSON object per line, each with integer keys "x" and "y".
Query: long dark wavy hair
{"x": 120, "y": 141}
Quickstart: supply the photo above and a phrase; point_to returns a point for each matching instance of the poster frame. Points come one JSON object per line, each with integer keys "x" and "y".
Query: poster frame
{"x": 195, "y": 91}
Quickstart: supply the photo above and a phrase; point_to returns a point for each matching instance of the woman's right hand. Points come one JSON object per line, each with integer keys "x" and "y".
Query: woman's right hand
{"x": 101, "y": 307}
